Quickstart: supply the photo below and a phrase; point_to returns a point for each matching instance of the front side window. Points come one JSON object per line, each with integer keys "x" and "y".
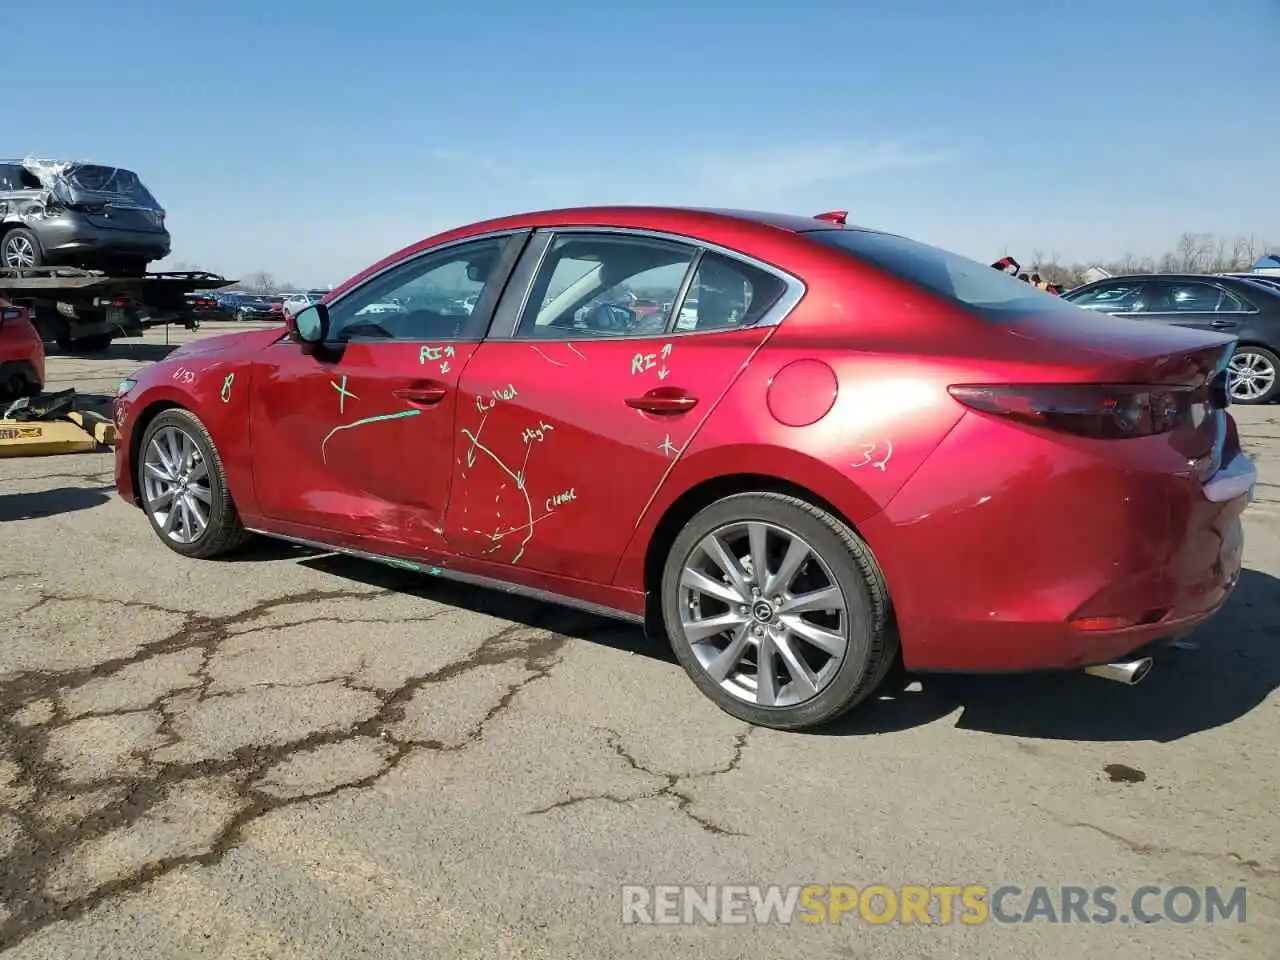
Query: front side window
{"x": 589, "y": 285}
{"x": 431, "y": 297}
{"x": 993, "y": 294}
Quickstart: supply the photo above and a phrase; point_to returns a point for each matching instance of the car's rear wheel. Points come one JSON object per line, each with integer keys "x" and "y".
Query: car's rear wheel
{"x": 777, "y": 610}
{"x": 20, "y": 250}
{"x": 183, "y": 488}
{"x": 1254, "y": 375}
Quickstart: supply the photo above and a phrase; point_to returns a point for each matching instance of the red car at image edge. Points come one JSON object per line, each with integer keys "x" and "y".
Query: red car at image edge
{"x": 839, "y": 450}
{"x": 21, "y": 353}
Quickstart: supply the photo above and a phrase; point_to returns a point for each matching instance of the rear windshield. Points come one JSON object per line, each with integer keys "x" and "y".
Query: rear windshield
{"x": 992, "y": 294}
{"x": 100, "y": 179}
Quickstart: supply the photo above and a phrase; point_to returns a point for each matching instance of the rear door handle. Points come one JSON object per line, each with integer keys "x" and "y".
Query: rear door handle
{"x": 664, "y": 401}
{"x": 425, "y": 396}
{"x": 1224, "y": 324}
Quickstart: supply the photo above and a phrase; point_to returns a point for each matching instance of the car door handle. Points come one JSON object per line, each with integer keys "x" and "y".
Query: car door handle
{"x": 424, "y": 396}
{"x": 1224, "y": 324}
{"x": 664, "y": 401}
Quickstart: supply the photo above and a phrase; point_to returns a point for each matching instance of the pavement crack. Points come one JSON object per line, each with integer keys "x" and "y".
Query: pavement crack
{"x": 670, "y": 788}
{"x": 127, "y": 795}
{"x": 1255, "y": 867}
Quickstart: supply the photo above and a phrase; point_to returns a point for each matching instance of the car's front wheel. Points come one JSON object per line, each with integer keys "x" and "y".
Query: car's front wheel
{"x": 777, "y": 610}
{"x": 1254, "y": 375}
{"x": 183, "y": 488}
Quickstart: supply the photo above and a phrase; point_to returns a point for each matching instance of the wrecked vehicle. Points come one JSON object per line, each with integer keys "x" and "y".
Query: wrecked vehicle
{"x": 78, "y": 214}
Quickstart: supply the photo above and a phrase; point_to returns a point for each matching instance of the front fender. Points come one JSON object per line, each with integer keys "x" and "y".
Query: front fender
{"x": 215, "y": 390}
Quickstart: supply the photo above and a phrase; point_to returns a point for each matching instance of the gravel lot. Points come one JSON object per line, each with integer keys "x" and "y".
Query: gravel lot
{"x": 294, "y": 755}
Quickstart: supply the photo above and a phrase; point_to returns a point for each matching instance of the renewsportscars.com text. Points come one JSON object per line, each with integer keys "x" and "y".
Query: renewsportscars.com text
{"x": 936, "y": 904}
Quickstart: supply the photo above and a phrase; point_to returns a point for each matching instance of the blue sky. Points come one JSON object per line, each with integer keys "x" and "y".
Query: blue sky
{"x": 309, "y": 139}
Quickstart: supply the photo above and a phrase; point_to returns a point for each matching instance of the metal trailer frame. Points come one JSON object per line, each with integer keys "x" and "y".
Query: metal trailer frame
{"x": 85, "y": 310}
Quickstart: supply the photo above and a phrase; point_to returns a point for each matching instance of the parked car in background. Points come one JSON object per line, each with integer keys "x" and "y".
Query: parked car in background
{"x": 260, "y": 308}
{"x": 66, "y": 213}
{"x": 21, "y": 353}
{"x": 1235, "y": 305}
{"x": 203, "y": 301}
{"x": 1267, "y": 280}
{"x": 296, "y": 301}
{"x": 961, "y": 474}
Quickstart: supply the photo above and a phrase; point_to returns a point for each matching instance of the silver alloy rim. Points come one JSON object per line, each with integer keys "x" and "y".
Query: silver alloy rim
{"x": 175, "y": 483}
{"x": 19, "y": 253}
{"x": 763, "y": 614}
{"x": 1252, "y": 375}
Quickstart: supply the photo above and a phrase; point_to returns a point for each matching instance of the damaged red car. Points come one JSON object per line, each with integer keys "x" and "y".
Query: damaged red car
{"x": 830, "y": 451}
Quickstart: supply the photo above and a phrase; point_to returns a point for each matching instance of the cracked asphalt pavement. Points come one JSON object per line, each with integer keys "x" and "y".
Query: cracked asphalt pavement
{"x": 297, "y": 755}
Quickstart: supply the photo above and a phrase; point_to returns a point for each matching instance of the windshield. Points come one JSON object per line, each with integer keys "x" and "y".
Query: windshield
{"x": 994, "y": 295}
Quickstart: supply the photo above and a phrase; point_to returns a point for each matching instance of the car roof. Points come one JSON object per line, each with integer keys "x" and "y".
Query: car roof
{"x": 757, "y": 230}
{"x": 637, "y": 216}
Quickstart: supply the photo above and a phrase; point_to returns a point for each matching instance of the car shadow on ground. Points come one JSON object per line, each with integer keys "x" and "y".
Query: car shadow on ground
{"x": 1232, "y": 667}
{"x": 49, "y": 503}
{"x": 494, "y": 603}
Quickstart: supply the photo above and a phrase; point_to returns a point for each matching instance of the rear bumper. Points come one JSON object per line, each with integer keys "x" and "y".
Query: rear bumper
{"x": 1035, "y": 555}
{"x": 73, "y": 238}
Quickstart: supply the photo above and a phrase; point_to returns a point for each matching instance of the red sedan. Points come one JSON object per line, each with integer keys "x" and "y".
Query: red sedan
{"x": 839, "y": 449}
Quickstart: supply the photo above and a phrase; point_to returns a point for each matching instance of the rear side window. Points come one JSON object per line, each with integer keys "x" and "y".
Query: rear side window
{"x": 982, "y": 289}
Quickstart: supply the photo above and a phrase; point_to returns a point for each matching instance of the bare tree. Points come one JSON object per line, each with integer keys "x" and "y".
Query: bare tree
{"x": 1192, "y": 253}
{"x": 260, "y": 281}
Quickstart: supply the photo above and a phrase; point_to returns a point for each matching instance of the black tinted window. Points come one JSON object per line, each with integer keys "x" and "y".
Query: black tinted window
{"x": 1184, "y": 296}
{"x": 990, "y": 292}
{"x": 1116, "y": 297}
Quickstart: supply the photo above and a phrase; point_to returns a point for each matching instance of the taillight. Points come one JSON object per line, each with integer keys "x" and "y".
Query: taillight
{"x": 1101, "y": 411}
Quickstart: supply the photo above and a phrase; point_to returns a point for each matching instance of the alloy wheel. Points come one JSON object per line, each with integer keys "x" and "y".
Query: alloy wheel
{"x": 19, "y": 253}
{"x": 1251, "y": 376}
{"x": 176, "y": 485}
{"x": 763, "y": 614}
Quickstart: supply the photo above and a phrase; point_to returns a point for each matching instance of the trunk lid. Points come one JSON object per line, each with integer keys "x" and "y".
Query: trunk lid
{"x": 1106, "y": 349}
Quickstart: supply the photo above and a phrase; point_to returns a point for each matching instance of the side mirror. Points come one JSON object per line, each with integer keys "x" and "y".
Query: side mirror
{"x": 309, "y": 325}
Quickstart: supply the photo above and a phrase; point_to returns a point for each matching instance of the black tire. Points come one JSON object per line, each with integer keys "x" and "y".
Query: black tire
{"x": 224, "y": 532}
{"x": 872, "y": 638}
{"x": 14, "y": 237}
{"x": 1268, "y": 358}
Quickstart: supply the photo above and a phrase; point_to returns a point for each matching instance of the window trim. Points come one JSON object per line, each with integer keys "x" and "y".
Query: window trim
{"x": 520, "y": 286}
{"x": 481, "y": 316}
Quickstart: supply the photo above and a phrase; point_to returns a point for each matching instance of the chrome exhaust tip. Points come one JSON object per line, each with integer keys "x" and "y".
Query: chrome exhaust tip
{"x": 1129, "y": 672}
